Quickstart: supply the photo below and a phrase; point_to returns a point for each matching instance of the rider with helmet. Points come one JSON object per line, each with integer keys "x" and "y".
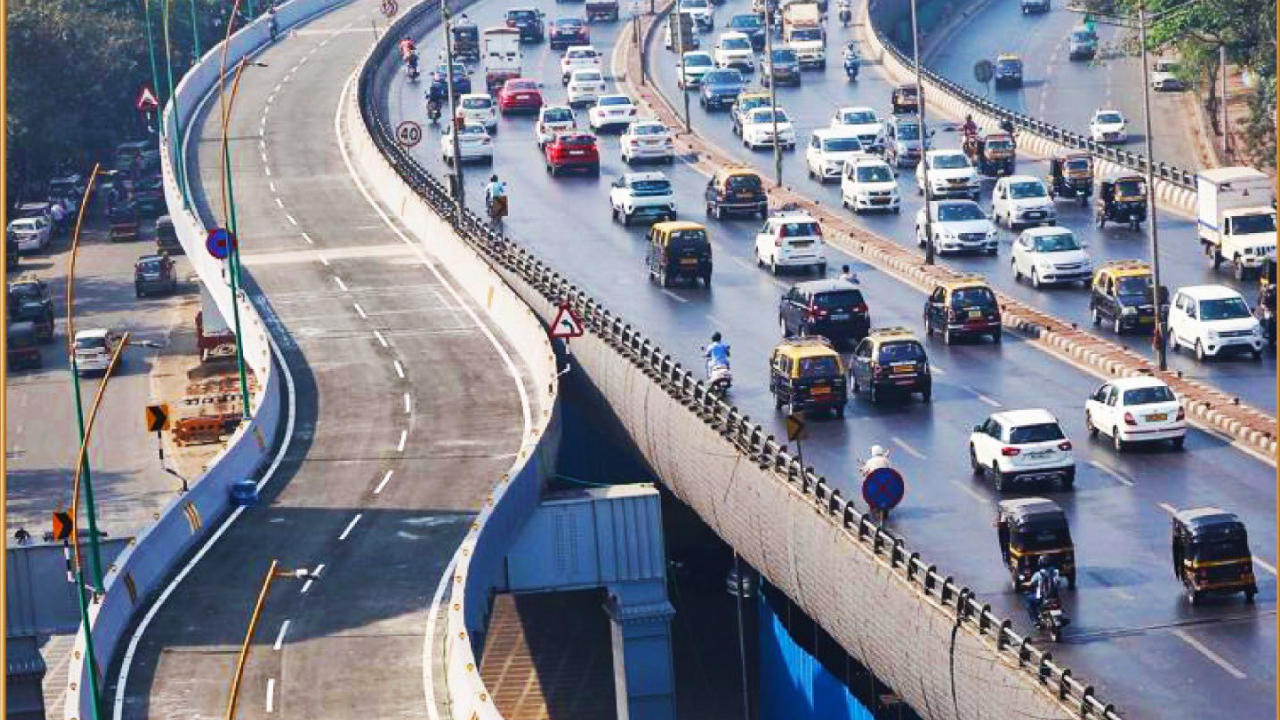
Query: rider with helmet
{"x": 717, "y": 353}
{"x": 1041, "y": 586}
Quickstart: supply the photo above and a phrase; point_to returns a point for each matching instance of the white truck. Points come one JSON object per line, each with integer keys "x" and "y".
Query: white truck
{"x": 1236, "y": 217}
{"x": 802, "y": 31}
{"x": 500, "y": 50}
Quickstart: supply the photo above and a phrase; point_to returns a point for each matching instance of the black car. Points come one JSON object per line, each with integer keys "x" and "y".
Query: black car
{"x": 891, "y": 360}
{"x": 148, "y": 196}
{"x": 529, "y": 22}
{"x": 1121, "y": 297}
{"x": 834, "y": 309}
{"x": 719, "y": 89}
{"x": 154, "y": 275}
{"x": 166, "y": 238}
{"x": 29, "y": 301}
{"x": 751, "y": 25}
{"x": 568, "y": 31}
{"x": 736, "y": 190}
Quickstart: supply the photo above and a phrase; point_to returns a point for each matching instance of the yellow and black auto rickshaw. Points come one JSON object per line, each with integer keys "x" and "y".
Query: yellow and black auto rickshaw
{"x": 1071, "y": 176}
{"x": 679, "y": 250}
{"x": 905, "y": 100}
{"x": 1211, "y": 554}
{"x": 22, "y": 346}
{"x": 1032, "y": 528}
{"x": 807, "y": 374}
{"x": 1122, "y": 199}
{"x": 993, "y": 154}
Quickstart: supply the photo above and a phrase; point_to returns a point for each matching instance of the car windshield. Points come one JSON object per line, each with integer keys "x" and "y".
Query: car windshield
{"x": 558, "y": 115}
{"x": 1250, "y": 224}
{"x": 1131, "y": 188}
{"x": 459, "y": 70}
{"x": 819, "y": 367}
{"x": 857, "y": 117}
{"x": 25, "y": 291}
{"x": 999, "y": 144}
{"x": 1223, "y": 309}
{"x": 1109, "y": 118}
{"x": 1219, "y": 549}
{"x": 836, "y": 145}
{"x": 767, "y": 116}
{"x": 476, "y": 103}
{"x": 1134, "y": 285}
{"x": 1082, "y": 36}
{"x": 1009, "y": 65}
{"x": 960, "y": 211}
{"x": 1058, "y": 242}
{"x": 92, "y": 342}
{"x": 973, "y": 297}
{"x": 735, "y": 43}
{"x": 745, "y": 22}
{"x": 1166, "y": 67}
{"x": 838, "y": 300}
{"x": 874, "y": 173}
{"x": 908, "y": 131}
{"x": 1038, "y": 433}
{"x": 1148, "y": 395}
{"x": 722, "y": 77}
{"x": 784, "y": 55}
{"x": 949, "y": 162}
{"x": 1026, "y": 189}
{"x": 698, "y": 60}
{"x": 614, "y": 100}
{"x": 648, "y": 129}
{"x": 693, "y": 4}
{"x": 807, "y": 34}
{"x": 905, "y": 351}
{"x": 650, "y": 188}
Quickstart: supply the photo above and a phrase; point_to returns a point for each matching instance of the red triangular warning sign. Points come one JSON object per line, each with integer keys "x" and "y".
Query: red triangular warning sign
{"x": 147, "y": 100}
{"x": 567, "y": 324}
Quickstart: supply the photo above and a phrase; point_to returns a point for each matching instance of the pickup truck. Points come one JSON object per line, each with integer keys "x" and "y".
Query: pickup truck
{"x": 602, "y": 10}
{"x": 802, "y": 31}
{"x": 1236, "y": 218}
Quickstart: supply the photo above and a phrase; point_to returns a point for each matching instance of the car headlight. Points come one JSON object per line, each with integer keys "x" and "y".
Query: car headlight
{"x": 1212, "y": 334}
{"x": 1257, "y": 331}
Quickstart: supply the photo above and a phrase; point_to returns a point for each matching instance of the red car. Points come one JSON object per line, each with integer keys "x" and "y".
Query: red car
{"x": 573, "y": 150}
{"x": 519, "y": 95}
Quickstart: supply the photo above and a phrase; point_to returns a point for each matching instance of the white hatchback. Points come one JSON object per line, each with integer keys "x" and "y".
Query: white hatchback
{"x": 761, "y": 124}
{"x": 733, "y": 50}
{"x": 693, "y": 65}
{"x": 551, "y": 120}
{"x": 949, "y": 174}
{"x": 1109, "y": 126}
{"x": 585, "y": 87}
{"x": 865, "y": 123}
{"x": 869, "y": 183}
{"x": 1136, "y": 409}
{"x": 1021, "y": 200}
{"x": 578, "y": 57}
{"x": 1022, "y": 445}
{"x": 478, "y": 108}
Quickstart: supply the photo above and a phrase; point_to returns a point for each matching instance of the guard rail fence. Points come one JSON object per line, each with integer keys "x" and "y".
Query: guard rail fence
{"x": 1076, "y": 698}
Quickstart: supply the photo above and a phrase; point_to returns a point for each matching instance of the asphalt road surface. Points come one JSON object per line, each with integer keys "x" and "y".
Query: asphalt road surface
{"x": 1133, "y": 633}
{"x": 406, "y": 414}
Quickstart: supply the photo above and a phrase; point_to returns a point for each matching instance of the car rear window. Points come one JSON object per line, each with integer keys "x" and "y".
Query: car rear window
{"x": 1040, "y": 432}
{"x": 858, "y": 117}
{"x": 648, "y": 129}
{"x": 25, "y": 291}
{"x": 152, "y": 265}
{"x": 90, "y": 343}
{"x": 901, "y": 351}
{"x": 801, "y": 228}
{"x": 818, "y": 367}
{"x": 521, "y": 15}
{"x": 614, "y": 100}
{"x": 973, "y": 297}
{"x": 557, "y": 115}
{"x": 650, "y": 188}
{"x": 1148, "y": 395}
{"x": 577, "y": 140}
{"x": 686, "y": 240}
{"x": 838, "y": 299}
{"x": 476, "y": 103}
{"x": 743, "y": 182}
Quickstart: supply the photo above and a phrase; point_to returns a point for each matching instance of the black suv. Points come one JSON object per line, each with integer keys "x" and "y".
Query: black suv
{"x": 834, "y": 309}
{"x": 736, "y": 190}
{"x": 528, "y": 21}
{"x": 154, "y": 275}
{"x": 29, "y": 301}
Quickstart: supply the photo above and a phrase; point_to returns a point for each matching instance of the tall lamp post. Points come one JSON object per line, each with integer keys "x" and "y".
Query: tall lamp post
{"x": 460, "y": 192}
{"x": 773, "y": 92}
{"x": 273, "y": 572}
{"x": 924, "y": 142}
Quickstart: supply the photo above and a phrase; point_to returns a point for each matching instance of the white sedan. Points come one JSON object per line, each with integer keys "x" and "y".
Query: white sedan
{"x": 1136, "y": 409}
{"x": 647, "y": 140}
{"x": 950, "y": 174}
{"x": 864, "y": 122}
{"x": 474, "y": 143}
{"x": 611, "y": 112}
{"x": 760, "y": 124}
{"x": 478, "y": 108}
{"x": 1108, "y": 126}
{"x": 585, "y": 87}
{"x": 958, "y": 226}
{"x": 1050, "y": 255}
{"x": 578, "y": 57}
{"x": 551, "y": 120}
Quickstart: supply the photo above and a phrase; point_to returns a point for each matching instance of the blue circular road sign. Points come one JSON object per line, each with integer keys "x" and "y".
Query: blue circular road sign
{"x": 883, "y": 488}
{"x": 219, "y": 243}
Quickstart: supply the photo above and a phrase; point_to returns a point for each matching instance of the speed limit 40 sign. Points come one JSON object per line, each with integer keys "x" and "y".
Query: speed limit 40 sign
{"x": 408, "y": 133}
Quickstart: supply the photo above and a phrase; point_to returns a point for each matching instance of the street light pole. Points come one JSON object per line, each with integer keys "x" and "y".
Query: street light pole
{"x": 273, "y": 572}
{"x": 173, "y": 99}
{"x": 924, "y": 143}
{"x": 773, "y": 92}
{"x": 461, "y": 195}
{"x": 1153, "y": 234}
{"x": 681, "y": 42}
{"x": 233, "y": 255}
{"x": 155, "y": 73}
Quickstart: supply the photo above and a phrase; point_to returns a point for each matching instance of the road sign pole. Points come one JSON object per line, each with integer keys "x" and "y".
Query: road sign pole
{"x": 173, "y": 98}
{"x": 151, "y": 51}
{"x": 234, "y": 255}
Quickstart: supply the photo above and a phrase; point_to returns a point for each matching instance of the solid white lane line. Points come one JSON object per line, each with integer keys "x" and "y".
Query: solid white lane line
{"x": 308, "y": 239}
{"x": 360, "y": 311}
{"x": 350, "y": 526}
{"x": 340, "y": 283}
{"x": 1113, "y": 474}
{"x": 279, "y": 202}
{"x": 381, "y": 339}
{"x": 408, "y": 404}
{"x": 291, "y": 219}
{"x": 399, "y": 368}
{"x": 1168, "y": 508}
{"x": 1214, "y": 657}
{"x": 907, "y": 448}
{"x": 674, "y": 296}
{"x": 271, "y": 695}
{"x": 970, "y": 491}
{"x": 404, "y": 436}
{"x": 385, "y": 479}
{"x": 323, "y": 260}
{"x": 1265, "y": 565}
{"x": 284, "y": 628}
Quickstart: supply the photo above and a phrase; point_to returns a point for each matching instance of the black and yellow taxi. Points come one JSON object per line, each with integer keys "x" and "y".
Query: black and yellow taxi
{"x": 807, "y": 374}
{"x": 965, "y": 306}
{"x": 891, "y": 360}
{"x": 736, "y": 191}
{"x": 679, "y": 250}
{"x": 1211, "y": 554}
{"x": 1121, "y": 296}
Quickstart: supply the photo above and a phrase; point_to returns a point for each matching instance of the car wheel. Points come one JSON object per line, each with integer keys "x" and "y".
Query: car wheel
{"x": 1089, "y": 427}
{"x": 873, "y": 394}
{"x": 626, "y": 220}
{"x": 997, "y": 336}
{"x": 1035, "y": 279}
{"x": 926, "y": 395}
{"x": 840, "y": 416}
{"x": 1116, "y": 441}
{"x": 1200, "y": 351}
{"x": 1069, "y": 479}
{"x": 998, "y": 479}
{"x": 1179, "y": 442}
{"x": 948, "y": 337}
{"x": 973, "y": 463}
{"x": 1117, "y": 327}
{"x": 1017, "y": 274}
{"x": 821, "y": 268}
{"x": 1095, "y": 316}
{"x": 773, "y": 265}
{"x": 718, "y": 212}
{"x": 857, "y": 387}
{"x": 782, "y": 326}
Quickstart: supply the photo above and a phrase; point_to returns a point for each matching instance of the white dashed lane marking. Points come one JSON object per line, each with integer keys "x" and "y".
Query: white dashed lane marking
{"x": 399, "y": 368}
{"x": 350, "y": 526}
{"x": 340, "y": 283}
{"x": 385, "y": 479}
{"x": 381, "y": 339}
{"x": 360, "y": 311}
{"x": 284, "y": 628}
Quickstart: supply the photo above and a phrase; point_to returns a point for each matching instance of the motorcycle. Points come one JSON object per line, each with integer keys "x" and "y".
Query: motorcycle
{"x": 845, "y": 13}
{"x": 719, "y": 377}
{"x": 851, "y": 63}
{"x": 433, "y": 110}
{"x": 411, "y": 68}
{"x": 1051, "y": 619}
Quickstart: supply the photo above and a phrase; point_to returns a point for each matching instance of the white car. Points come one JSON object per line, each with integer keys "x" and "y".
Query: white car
{"x": 93, "y": 351}
{"x": 1108, "y": 126}
{"x": 1213, "y": 320}
{"x": 828, "y": 150}
{"x": 700, "y": 10}
{"x": 578, "y": 57}
{"x": 733, "y": 50}
{"x": 864, "y": 122}
{"x": 759, "y": 126}
{"x": 1136, "y": 409}
{"x": 585, "y": 87}
{"x": 869, "y": 183}
{"x": 551, "y": 120}
{"x": 478, "y": 108}
{"x": 474, "y": 143}
{"x": 693, "y": 65}
{"x": 950, "y": 174}
{"x": 1048, "y": 255}
{"x": 611, "y": 112}
{"x": 1021, "y": 200}
{"x": 647, "y": 140}
{"x": 32, "y": 234}
{"x": 1022, "y": 445}
{"x": 792, "y": 239}
{"x": 958, "y": 226}
{"x": 647, "y": 195}
{"x": 666, "y": 34}
{"x": 1164, "y": 76}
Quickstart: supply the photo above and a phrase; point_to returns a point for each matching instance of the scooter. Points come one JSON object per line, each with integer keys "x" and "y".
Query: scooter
{"x": 845, "y": 13}
{"x": 720, "y": 379}
{"x": 411, "y": 68}
{"x": 851, "y": 63}
{"x": 433, "y": 111}
{"x": 1051, "y": 619}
